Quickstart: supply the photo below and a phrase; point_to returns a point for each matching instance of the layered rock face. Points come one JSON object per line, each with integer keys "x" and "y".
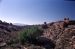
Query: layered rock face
{"x": 62, "y": 33}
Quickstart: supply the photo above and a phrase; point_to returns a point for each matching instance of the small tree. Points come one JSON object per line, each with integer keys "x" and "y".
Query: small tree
{"x": 45, "y": 25}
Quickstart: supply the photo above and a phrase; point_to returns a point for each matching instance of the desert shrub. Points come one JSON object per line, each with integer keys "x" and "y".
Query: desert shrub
{"x": 30, "y": 34}
{"x": 12, "y": 41}
{"x": 0, "y": 21}
{"x": 44, "y": 26}
{"x": 11, "y": 24}
{"x": 5, "y": 23}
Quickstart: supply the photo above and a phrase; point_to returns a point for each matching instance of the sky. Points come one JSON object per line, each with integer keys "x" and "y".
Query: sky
{"x": 36, "y": 11}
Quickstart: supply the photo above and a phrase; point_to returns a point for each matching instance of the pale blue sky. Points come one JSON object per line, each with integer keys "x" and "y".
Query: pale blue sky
{"x": 36, "y": 11}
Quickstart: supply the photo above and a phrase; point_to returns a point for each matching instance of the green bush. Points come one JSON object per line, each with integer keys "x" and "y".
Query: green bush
{"x": 30, "y": 34}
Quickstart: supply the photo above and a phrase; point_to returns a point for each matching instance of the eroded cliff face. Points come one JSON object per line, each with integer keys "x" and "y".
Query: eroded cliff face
{"x": 62, "y": 34}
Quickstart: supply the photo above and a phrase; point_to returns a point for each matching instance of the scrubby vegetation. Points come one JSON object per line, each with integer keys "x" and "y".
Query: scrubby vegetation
{"x": 30, "y": 34}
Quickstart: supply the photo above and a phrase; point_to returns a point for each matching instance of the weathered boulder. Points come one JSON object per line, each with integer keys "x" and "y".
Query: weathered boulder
{"x": 2, "y": 44}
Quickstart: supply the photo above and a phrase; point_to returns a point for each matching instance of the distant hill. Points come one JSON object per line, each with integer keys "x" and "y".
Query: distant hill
{"x": 19, "y": 24}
